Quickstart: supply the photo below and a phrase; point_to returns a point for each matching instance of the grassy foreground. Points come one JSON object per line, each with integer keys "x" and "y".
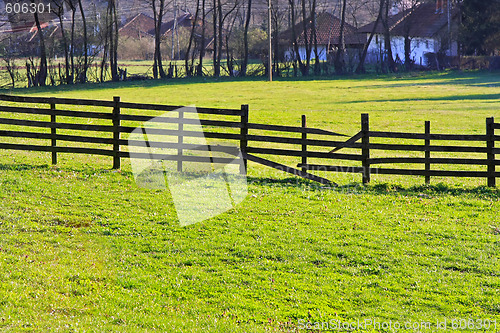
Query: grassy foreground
{"x": 82, "y": 248}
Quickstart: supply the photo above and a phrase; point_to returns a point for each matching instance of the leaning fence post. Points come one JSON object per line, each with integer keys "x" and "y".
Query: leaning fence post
{"x": 304, "y": 143}
{"x": 427, "y": 152}
{"x": 53, "y": 132}
{"x": 365, "y": 150}
{"x": 180, "y": 140}
{"x": 490, "y": 146}
{"x": 243, "y": 138}
{"x": 116, "y": 132}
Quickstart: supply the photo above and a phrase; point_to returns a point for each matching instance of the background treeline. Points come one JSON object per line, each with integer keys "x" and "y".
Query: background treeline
{"x": 80, "y": 41}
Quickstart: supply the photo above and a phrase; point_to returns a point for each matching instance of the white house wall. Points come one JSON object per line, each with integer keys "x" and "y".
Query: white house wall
{"x": 419, "y": 47}
{"x": 302, "y": 51}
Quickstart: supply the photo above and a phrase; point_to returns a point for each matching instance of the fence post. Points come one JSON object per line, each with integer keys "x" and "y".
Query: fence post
{"x": 427, "y": 152}
{"x": 243, "y": 139}
{"x": 53, "y": 132}
{"x": 490, "y": 145}
{"x": 116, "y": 132}
{"x": 304, "y": 143}
{"x": 180, "y": 140}
{"x": 365, "y": 151}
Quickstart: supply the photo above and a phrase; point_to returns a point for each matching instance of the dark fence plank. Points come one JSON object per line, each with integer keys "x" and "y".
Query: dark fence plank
{"x": 349, "y": 143}
{"x": 58, "y": 137}
{"x": 490, "y": 146}
{"x": 49, "y": 100}
{"x": 175, "y": 157}
{"x": 64, "y": 113}
{"x": 427, "y": 144}
{"x": 244, "y": 137}
{"x": 409, "y": 172}
{"x": 424, "y": 160}
{"x": 53, "y": 133}
{"x": 365, "y": 142}
{"x": 288, "y": 169}
{"x": 312, "y": 154}
{"x": 116, "y": 133}
{"x": 46, "y": 124}
{"x": 176, "y": 133}
{"x": 297, "y": 141}
{"x": 452, "y": 149}
{"x": 292, "y": 129}
{"x": 180, "y": 140}
{"x": 422, "y": 136}
{"x": 184, "y": 146}
{"x": 304, "y": 140}
{"x": 159, "y": 107}
{"x": 75, "y": 150}
{"x": 204, "y": 122}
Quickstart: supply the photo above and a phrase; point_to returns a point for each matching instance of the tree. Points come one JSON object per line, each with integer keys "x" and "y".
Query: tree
{"x": 203, "y": 44}
{"x": 9, "y": 54}
{"x": 339, "y": 56}
{"x": 244, "y": 64}
{"x": 361, "y": 65}
{"x": 58, "y": 9}
{"x": 480, "y": 26}
{"x": 408, "y": 6}
{"x": 190, "y": 66}
{"x": 113, "y": 39}
{"x": 41, "y": 76}
{"x": 158, "y": 7}
{"x": 83, "y": 75}
{"x": 389, "y": 59}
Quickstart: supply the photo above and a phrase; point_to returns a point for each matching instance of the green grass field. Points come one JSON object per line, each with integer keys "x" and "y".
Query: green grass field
{"x": 83, "y": 249}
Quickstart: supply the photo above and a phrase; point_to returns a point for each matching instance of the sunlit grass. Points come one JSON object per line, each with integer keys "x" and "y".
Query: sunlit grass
{"x": 83, "y": 248}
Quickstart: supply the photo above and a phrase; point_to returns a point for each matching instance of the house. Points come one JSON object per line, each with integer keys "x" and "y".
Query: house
{"x": 138, "y": 27}
{"x": 327, "y": 36}
{"x": 428, "y": 28}
{"x": 143, "y": 26}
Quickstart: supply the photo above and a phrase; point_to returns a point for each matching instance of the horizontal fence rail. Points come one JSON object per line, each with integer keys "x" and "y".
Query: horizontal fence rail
{"x": 313, "y": 148}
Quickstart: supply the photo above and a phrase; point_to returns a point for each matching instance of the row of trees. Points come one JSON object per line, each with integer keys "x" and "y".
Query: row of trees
{"x": 84, "y": 45}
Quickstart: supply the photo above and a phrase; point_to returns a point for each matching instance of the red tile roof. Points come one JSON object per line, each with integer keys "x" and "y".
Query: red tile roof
{"x": 142, "y": 25}
{"x": 422, "y": 21}
{"x": 138, "y": 26}
{"x": 327, "y": 31}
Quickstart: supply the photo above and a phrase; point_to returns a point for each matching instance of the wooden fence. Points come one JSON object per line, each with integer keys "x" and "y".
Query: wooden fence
{"x": 366, "y": 146}
{"x": 253, "y": 139}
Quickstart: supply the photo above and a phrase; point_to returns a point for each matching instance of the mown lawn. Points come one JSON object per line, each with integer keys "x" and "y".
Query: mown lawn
{"x": 82, "y": 248}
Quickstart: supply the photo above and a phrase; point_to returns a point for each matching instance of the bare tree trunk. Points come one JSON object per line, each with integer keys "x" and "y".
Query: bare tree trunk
{"x": 391, "y": 66}
{"x": 244, "y": 65}
{"x": 307, "y": 45}
{"x": 219, "y": 37}
{"x": 60, "y": 14}
{"x": 294, "y": 37}
{"x": 158, "y": 36}
{"x": 72, "y": 49}
{"x": 361, "y": 65}
{"x": 317, "y": 68}
{"x": 215, "y": 39}
{"x": 42, "y": 72}
{"x": 199, "y": 71}
{"x": 113, "y": 40}
{"x": 189, "y": 67}
{"x": 339, "y": 56}
{"x": 83, "y": 77}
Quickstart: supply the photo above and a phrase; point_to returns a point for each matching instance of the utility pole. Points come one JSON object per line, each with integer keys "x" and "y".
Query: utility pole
{"x": 269, "y": 38}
